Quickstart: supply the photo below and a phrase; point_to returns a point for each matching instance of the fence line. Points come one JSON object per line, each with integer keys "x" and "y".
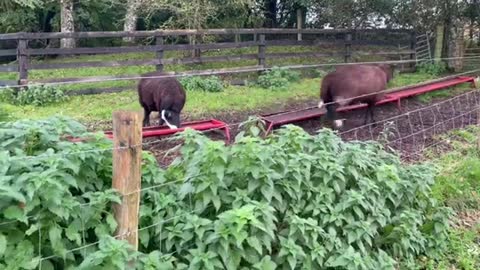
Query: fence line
{"x": 344, "y": 38}
{"x": 230, "y": 71}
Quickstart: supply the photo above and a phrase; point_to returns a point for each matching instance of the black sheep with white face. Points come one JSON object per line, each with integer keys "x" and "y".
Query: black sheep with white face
{"x": 163, "y": 95}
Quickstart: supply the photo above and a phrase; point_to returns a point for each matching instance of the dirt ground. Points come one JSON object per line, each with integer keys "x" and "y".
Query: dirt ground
{"x": 409, "y": 131}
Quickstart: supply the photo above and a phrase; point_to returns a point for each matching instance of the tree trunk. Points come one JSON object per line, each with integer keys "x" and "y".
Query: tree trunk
{"x": 455, "y": 46}
{"x": 299, "y": 23}
{"x": 130, "y": 23}
{"x": 67, "y": 23}
{"x": 270, "y": 13}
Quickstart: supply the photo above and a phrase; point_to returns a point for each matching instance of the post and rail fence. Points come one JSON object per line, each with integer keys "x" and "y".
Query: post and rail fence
{"x": 347, "y": 43}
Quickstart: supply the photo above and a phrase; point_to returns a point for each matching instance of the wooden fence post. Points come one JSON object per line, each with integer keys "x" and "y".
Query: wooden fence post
{"x": 439, "y": 43}
{"x": 261, "y": 50}
{"x": 413, "y": 46}
{"x": 22, "y": 59}
{"x": 159, "y": 42}
{"x": 299, "y": 24}
{"x": 127, "y": 158}
{"x": 348, "y": 47}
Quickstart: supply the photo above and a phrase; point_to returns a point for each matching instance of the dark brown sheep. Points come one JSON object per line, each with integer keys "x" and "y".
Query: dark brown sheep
{"x": 163, "y": 95}
{"x": 347, "y": 82}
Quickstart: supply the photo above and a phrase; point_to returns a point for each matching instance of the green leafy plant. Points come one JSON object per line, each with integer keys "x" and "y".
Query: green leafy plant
{"x": 293, "y": 201}
{"x": 207, "y": 84}
{"x": 277, "y": 78}
{"x": 34, "y": 95}
{"x": 434, "y": 69}
{"x": 55, "y": 196}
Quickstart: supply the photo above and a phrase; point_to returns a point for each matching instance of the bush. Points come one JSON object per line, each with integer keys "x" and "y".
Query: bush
{"x": 277, "y": 78}
{"x": 293, "y": 201}
{"x": 56, "y": 195}
{"x": 434, "y": 69}
{"x": 34, "y": 95}
{"x": 207, "y": 84}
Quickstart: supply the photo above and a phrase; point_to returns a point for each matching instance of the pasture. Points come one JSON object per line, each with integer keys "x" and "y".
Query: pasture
{"x": 403, "y": 194}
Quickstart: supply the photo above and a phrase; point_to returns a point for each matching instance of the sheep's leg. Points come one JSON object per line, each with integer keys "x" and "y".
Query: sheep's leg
{"x": 146, "y": 117}
{"x": 370, "y": 113}
{"x": 367, "y": 113}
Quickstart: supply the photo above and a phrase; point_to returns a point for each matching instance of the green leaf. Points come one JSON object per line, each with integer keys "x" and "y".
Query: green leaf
{"x": 265, "y": 264}
{"x": 55, "y": 235}
{"x": 254, "y": 243}
{"x": 112, "y": 223}
{"x": 3, "y": 244}
{"x": 144, "y": 237}
{"x": 292, "y": 261}
{"x": 16, "y": 213}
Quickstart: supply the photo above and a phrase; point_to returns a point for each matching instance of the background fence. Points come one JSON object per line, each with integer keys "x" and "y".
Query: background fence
{"x": 244, "y": 47}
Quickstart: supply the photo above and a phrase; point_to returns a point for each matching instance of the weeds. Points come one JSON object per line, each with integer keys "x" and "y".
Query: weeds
{"x": 207, "y": 84}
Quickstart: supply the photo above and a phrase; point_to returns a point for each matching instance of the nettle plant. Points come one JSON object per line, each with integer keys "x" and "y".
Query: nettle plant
{"x": 292, "y": 201}
{"x": 277, "y": 78}
{"x": 40, "y": 95}
{"x": 206, "y": 84}
{"x": 56, "y": 196}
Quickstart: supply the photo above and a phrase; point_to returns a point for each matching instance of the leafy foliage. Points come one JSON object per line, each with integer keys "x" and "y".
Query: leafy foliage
{"x": 34, "y": 95}
{"x": 55, "y": 196}
{"x": 292, "y": 201}
{"x": 434, "y": 69}
{"x": 208, "y": 84}
{"x": 278, "y": 78}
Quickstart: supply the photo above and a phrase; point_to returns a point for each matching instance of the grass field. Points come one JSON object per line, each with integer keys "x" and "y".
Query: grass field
{"x": 458, "y": 186}
{"x": 132, "y": 70}
{"x": 235, "y": 98}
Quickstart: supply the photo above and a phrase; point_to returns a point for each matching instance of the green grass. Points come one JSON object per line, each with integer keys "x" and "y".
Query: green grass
{"x": 235, "y": 98}
{"x": 131, "y": 70}
{"x": 458, "y": 186}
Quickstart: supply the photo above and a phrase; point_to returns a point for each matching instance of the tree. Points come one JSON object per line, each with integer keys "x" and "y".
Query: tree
{"x": 67, "y": 23}
{"x": 131, "y": 16}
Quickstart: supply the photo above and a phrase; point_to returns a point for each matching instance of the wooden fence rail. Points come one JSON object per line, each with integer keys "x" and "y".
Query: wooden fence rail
{"x": 344, "y": 40}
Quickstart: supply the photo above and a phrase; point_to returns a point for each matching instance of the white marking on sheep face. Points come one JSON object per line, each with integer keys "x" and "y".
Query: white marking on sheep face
{"x": 166, "y": 121}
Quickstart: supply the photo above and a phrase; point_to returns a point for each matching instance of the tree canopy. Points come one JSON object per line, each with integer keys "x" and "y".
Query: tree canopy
{"x": 37, "y": 15}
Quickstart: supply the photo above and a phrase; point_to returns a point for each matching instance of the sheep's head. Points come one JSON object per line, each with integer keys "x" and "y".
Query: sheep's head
{"x": 171, "y": 118}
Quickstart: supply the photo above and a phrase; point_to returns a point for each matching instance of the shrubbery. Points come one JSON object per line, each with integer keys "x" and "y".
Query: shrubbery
{"x": 55, "y": 196}
{"x": 33, "y": 95}
{"x": 297, "y": 201}
{"x": 277, "y": 78}
{"x": 207, "y": 84}
{"x": 292, "y": 201}
{"x": 434, "y": 69}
